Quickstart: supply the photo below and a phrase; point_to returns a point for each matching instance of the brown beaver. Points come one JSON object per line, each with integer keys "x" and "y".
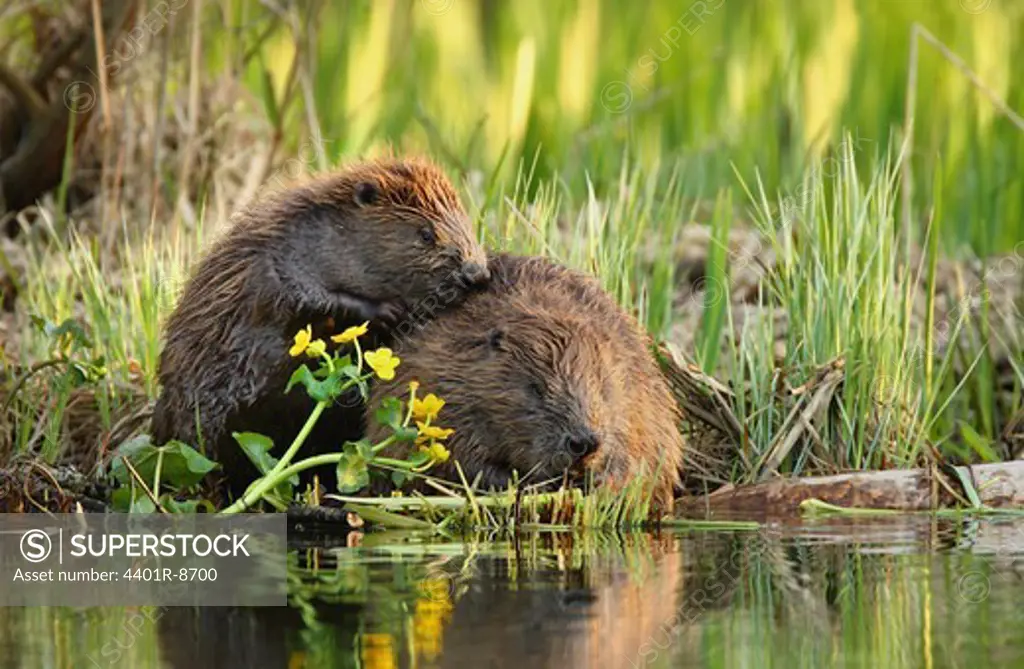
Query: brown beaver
{"x": 366, "y": 243}
{"x": 542, "y": 372}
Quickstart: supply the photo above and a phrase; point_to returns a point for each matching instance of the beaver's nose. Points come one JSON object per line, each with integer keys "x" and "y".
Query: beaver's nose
{"x": 582, "y": 444}
{"x": 475, "y": 273}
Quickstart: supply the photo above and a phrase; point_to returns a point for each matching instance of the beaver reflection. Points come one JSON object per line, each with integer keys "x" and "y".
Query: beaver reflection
{"x": 601, "y": 616}
{"x": 545, "y": 608}
{"x": 230, "y": 638}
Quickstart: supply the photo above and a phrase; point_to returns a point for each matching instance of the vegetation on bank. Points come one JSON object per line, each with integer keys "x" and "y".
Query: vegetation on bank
{"x": 842, "y": 364}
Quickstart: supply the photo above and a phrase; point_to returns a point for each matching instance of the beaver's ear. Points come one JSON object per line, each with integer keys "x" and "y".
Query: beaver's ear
{"x": 483, "y": 346}
{"x": 366, "y": 193}
{"x": 495, "y": 338}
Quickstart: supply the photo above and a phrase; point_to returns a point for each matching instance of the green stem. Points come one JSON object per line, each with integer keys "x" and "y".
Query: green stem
{"x": 271, "y": 480}
{"x": 382, "y": 445}
{"x": 391, "y": 462}
{"x": 300, "y": 438}
{"x": 408, "y": 412}
{"x": 157, "y": 472}
{"x": 257, "y": 489}
{"x": 330, "y": 362}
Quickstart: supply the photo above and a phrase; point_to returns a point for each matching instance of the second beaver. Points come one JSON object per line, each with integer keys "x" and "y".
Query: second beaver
{"x": 542, "y": 372}
{"x": 366, "y": 243}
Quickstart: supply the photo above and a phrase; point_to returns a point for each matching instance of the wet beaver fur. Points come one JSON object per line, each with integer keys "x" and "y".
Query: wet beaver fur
{"x": 366, "y": 243}
{"x": 542, "y": 372}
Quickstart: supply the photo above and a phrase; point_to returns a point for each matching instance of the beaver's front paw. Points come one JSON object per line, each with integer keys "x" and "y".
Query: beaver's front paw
{"x": 389, "y": 313}
{"x": 355, "y": 308}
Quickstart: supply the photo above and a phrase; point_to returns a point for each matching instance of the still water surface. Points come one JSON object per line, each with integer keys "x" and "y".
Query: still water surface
{"x": 920, "y": 592}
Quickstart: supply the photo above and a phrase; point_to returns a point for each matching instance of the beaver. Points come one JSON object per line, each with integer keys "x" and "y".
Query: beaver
{"x": 365, "y": 243}
{"x": 542, "y": 372}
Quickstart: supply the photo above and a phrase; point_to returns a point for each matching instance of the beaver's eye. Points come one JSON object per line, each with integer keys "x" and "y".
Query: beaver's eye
{"x": 427, "y": 235}
{"x": 536, "y": 389}
{"x": 366, "y": 194}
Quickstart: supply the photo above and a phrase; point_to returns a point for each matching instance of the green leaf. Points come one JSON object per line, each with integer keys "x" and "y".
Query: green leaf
{"x": 142, "y": 504}
{"x": 418, "y": 458}
{"x": 269, "y": 97}
{"x": 362, "y": 448}
{"x": 383, "y": 518}
{"x": 321, "y": 391}
{"x": 257, "y": 448}
{"x": 121, "y": 499}
{"x": 182, "y": 467}
{"x": 140, "y": 451}
{"x": 186, "y": 506}
{"x": 399, "y": 477}
{"x": 348, "y": 371}
{"x": 69, "y": 328}
{"x": 715, "y": 285}
{"x": 981, "y": 446}
{"x": 408, "y": 433}
{"x": 353, "y": 474}
{"x": 390, "y": 412}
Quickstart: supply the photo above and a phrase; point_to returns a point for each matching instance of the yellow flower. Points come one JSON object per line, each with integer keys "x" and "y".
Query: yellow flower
{"x": 316, "y": 348}
{"x": 302, "y": 339}
{"x": 414, "y": 386}
{"x": 396, "y": 493}
{"x": 383, "y": 361}
{"x": 438, "y": 453}
{"x": 435, "y": 589}
{"x": 428, "y": 407}
{"x": 433, "y": 611}
{"x": 378, "y": 651}
{"x": 428, "y": 432}
{"x": 351, "y": 334}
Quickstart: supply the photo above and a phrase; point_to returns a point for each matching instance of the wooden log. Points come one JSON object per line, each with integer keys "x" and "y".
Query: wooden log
{"x": 999, "y": 485}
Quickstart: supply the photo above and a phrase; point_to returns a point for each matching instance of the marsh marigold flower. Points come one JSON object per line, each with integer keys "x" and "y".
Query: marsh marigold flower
{"x": 428, "y": 432}
{"x": 427, "y": 408}
{"x": 378, "y": 651}
{"x": 433, "y": 611}
{"x": 351, "y": 334}
{"x": 302, "y": 339}
{"x": 316, "y": 348}
{"x": 414, "y": 386}
{"x": 383, "y": 362}
{"x": 438, "y": 452}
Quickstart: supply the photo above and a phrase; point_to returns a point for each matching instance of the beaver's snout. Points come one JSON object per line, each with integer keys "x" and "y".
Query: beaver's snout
{"x": 581, "y": 444}
{"x": 474, "y": 273}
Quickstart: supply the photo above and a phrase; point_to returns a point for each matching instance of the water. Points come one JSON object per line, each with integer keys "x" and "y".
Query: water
{"x": 921, "y": 592}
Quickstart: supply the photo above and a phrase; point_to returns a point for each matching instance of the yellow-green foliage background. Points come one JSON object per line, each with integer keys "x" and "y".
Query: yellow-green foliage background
{"x": 761, "y": 85}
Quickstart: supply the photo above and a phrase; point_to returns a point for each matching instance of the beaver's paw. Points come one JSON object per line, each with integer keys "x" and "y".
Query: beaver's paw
{"x": 389, "y": 313}
{"x": 356, "y": 308}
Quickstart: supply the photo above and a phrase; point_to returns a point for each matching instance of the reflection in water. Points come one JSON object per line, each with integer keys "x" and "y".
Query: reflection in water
{"x": 914, "y": 593}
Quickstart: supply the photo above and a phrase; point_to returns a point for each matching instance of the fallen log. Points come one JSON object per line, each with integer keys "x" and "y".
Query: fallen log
{"x": 999, "y": 485}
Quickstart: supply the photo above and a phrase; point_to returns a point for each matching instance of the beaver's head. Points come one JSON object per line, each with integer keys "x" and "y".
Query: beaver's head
{"x": 388, "y": 230}
{"x": 544, "y": 399}
{"x": 527, "y": 388}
